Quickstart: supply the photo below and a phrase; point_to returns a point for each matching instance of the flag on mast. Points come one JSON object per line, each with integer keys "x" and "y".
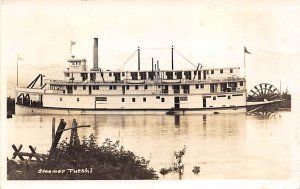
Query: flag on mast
{"x": 72, "y": 43}
{"x": 246, "y": 51}
{"x": 20, "y": 58}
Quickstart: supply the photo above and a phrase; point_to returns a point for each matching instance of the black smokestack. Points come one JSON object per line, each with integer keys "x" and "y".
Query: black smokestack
{"x": 95, "y": 58}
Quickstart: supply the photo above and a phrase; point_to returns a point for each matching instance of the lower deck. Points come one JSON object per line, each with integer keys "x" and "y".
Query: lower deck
{"x": 127, "y": 103}
{"x": 27, "y": 110}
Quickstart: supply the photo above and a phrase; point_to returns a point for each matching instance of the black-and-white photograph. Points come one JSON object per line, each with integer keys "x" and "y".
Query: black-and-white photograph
{"x": 184, "y": 93}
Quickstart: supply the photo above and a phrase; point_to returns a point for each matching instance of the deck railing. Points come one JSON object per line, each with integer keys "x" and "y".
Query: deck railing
{"x": 146, "y": 81}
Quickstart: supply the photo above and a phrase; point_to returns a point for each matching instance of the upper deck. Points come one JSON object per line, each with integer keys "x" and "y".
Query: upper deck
{"x": 78, "y": 73}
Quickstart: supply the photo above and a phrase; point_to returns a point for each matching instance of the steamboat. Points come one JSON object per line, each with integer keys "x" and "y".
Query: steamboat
{"x": 97, "y": 91}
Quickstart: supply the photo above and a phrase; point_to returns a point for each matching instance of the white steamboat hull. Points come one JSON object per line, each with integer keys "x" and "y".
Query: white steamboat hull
{"x": 26, "y": 110}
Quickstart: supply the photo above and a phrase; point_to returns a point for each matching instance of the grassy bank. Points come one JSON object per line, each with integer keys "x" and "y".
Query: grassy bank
{"x": 86, "y": 161}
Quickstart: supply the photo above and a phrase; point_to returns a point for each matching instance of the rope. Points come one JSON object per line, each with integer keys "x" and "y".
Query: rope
{"x": 185, "y": 58}
{"x": 128, "y": 59}
{"x": 157, "y": 48}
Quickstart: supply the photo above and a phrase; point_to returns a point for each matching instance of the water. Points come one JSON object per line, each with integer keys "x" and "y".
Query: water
{"x": 225, "y": 146}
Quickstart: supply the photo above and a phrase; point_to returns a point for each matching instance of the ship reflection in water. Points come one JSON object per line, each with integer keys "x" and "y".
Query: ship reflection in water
{"x": 225, "y": 146}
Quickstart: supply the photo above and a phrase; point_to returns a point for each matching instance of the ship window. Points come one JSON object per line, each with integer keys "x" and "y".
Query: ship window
{"x": 183, "y": 98}
{"x": 123, "y": 74}
{"x": 110, "y": 74}
{"x": 237, "y": 95}
{"x": 95, "y": 87}
{"x": 60, "y": 98}
{"x": 214, "y": 98}
{"x": 67, "y": 74}
{"x": 221, "y": 71}
{"x": 93, "y": 76}
{"x": 241, "y": 83}
{"x": 202, "y": 86}
{"x": 112, "y": 87}
{"x": 123, "y": 99}
{"x": 187, "y": 75}
{"x": 136, "y": 87}
{"x": 157, "y": 97}
{"x": 229, "y": 97}
{"x": 197, "y": 86}
{"x": 143, "y": 75}
{"x": 84, "y": 87}
{"x": 134, "y": 75}
{"x": 212, "y": 71}
{"x": 221, "y": 95}
{"x": 75, "y": 87}
{"x": 231, "y": 70}
{"x": 77, "y": 99}
{"x": 84, "y": 76}
{"x": 169, "y": 75}
{"x": 151, "y": 75}
{"x": 104, "y": 98}
{"x": 127, "y": 87}
{"x": 144, "y": 99}
{"x": 179, "y": 75}
{"x": 133, "y": 99}
{"x": 162, "y": 99}
{"x": 145, "y": 87}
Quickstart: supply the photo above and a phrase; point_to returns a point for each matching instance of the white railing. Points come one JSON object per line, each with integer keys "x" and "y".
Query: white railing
{"x": 38, "y": 91}
{"x": 145, "y": 82}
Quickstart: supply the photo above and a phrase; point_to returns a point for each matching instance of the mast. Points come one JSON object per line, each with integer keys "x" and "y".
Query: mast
{"x": 172, "y": 58}
{"x": 152, "y": 64}
{"x": 139, "y": 66}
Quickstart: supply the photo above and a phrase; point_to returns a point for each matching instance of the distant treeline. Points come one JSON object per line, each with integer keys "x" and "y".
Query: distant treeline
{"x": 287, "y": 100}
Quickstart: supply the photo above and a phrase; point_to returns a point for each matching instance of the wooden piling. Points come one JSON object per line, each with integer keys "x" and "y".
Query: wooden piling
{"x": 21, "y": 155}
{"x": 53, "y": 129}
{"x": 57, "y": 137}
{"x": 17, "y": 150}
{"x": 74, "y": 139}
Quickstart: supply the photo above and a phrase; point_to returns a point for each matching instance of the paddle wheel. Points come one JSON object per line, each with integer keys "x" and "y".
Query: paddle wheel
{"x": 263, "y": 91}
{"x": 268, "y": 95}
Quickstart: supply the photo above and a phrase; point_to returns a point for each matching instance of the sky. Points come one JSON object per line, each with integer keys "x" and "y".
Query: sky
{"x": 212, "y": 33}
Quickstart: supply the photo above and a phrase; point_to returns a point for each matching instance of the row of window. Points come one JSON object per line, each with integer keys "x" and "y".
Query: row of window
{"x": 144, "y": 99}
{"x": 114, "y": 87}
{"x": 143, "y": 74}
{"x": 228, "y": 97}
{"x": 104, "y": 99}
{"x": 221, "y": 71}
{"x": 61, "y": 99}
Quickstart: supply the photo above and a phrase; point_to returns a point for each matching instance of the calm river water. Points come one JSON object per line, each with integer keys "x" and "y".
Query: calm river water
{"x": 225, "y": 146}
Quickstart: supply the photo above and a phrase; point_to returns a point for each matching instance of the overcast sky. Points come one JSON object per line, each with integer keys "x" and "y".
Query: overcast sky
{"x": 211, "y": 33}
